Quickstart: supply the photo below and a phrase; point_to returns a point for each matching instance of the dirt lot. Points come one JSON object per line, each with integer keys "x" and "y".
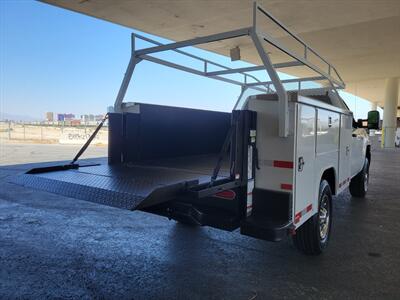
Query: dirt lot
{"x": 12, "y": 152}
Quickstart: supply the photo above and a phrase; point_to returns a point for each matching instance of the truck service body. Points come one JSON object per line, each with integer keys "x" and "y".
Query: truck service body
{"x": 269, "y": 168}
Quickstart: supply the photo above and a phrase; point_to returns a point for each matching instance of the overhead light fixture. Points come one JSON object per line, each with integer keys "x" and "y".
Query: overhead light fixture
{"x": 235, "y": 53}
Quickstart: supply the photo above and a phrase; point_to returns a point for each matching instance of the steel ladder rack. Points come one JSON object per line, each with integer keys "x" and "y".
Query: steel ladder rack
{"x": 258, "y": 38}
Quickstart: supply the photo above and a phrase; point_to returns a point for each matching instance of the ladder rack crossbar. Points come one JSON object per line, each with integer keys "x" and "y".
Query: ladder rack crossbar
{"x": 230, "y": 34}
{"x": 304, "y": 59}
{"x": 193, "y": 71}
{"x": 294, "y": 80}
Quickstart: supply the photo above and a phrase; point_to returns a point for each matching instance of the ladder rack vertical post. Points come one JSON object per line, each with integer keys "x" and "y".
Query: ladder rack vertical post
{"x": 280, "y": 89}
{"x": 255, "y": 5}
{"x": 127, "y": 77}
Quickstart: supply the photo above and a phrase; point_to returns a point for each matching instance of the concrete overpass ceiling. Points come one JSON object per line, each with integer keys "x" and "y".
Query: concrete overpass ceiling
{"x": 360, "y": 37}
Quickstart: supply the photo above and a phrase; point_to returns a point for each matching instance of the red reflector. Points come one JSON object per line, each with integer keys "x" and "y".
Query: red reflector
{"x": 309, "y": 207}
{"x": 283, "y": 164}
{"x": 297, "y": 217}
{"x": 228, "y": 194}
{"x": 286, "y": 186}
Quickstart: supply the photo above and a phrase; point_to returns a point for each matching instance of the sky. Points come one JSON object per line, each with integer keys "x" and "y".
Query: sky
{"x": 56, "y": 60}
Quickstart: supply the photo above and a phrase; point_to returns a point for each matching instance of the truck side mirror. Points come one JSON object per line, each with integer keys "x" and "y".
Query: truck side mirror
{"x": 373, "y": 119}
{"x": 372, "y": 122}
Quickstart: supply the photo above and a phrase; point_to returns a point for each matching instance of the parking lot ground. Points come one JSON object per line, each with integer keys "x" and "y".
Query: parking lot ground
{"x": 57, "y": 247}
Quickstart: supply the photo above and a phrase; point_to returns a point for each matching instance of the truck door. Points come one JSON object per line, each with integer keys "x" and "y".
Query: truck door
{"x": 304, "y": 164}
{"x": 345, "y": 151}
{"x": 357, "y": 151}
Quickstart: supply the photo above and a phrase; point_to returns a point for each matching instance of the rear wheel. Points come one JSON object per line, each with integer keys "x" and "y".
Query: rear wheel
{"x": 312, "y": 237}
{"x": 359, "y": 183}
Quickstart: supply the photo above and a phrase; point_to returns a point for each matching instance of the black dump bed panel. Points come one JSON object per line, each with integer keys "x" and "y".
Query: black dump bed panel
{"x": 165, "y": 132}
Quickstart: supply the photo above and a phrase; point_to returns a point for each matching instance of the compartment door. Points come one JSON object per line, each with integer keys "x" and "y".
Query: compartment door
{"x": 345, "y": 151}
{"x": 304, "y": 164}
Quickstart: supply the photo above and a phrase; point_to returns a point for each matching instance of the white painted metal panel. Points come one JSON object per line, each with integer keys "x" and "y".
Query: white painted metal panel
{"x": 304, "y": 164}
{"x": 358, "y": 147}
{"x": 327, "y": 131}
{"x": 327, "y": 148}
{"x": 272, "y": 148}
{"x": 346, "y": 129}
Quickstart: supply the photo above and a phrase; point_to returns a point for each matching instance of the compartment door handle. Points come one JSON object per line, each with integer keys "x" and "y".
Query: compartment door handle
{"x": 300, "y": 164}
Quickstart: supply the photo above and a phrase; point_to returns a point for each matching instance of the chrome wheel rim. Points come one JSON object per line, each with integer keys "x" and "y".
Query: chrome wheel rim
{"x": 324, "y": 218}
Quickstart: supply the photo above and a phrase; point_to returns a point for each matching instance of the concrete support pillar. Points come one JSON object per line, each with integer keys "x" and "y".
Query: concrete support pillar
{"x": 390, "y": 112}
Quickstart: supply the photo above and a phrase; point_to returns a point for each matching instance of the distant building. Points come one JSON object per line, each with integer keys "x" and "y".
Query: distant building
{"x": 65, "y": 117}
{"x": 49, "y": 116}
{"x": 69, "y": 117}
{"x": 84, "y": 118}
{"x": 87, "y": 119}
{"x": 75, "y": 122}
{"x": 98, "y": 118}
{"x": 60, "y": 117}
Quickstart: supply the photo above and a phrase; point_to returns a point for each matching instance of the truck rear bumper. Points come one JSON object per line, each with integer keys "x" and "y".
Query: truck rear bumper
{"x": 273, "y": 231}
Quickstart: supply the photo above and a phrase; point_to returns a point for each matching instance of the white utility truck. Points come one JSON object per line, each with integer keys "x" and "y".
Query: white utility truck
{"x": 269, "y": 168}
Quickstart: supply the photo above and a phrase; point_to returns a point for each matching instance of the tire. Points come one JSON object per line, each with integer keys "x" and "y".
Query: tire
{"x": 312, "y": 237}
{"x": 359, "y": 183}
